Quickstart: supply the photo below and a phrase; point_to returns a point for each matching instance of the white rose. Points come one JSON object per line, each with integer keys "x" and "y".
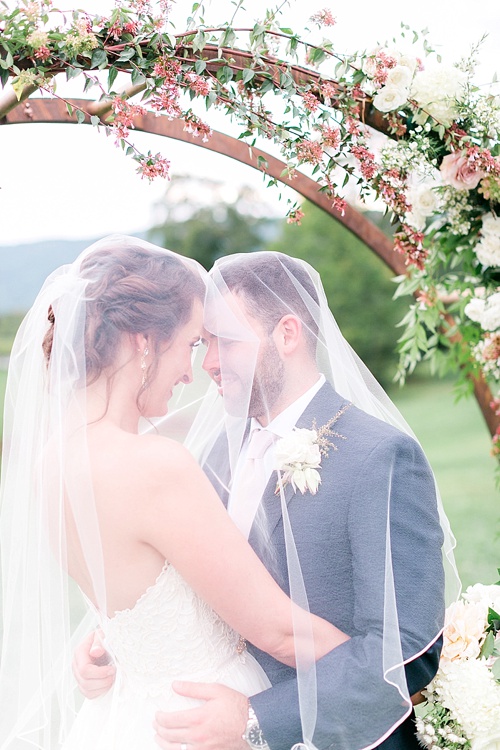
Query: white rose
{"x": 409, "y": 62}
{"x": 424, "y": 199}
{"x": 389, "y": 98}
{"x": 399, "y": 77}
{"x": 488, "y": 250}
{"x": 491, "y": 315}
{"x": 475, "y": 309}
{"x": 437, "y": 91}
{"x": 491, "y": 225}
{"x": 486, "y": 744}
{"x": 463, "y": 629}
{"x": 298, "y": 448}
{"x": 483, "y": 594}
{"x": 424, "y": 202}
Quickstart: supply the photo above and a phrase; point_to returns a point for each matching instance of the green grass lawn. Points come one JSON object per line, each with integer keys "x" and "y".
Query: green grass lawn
{"x": 457, "y": 444}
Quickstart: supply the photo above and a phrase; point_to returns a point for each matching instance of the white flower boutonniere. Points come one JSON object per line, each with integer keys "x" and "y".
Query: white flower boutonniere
{"x": 298, "y": 455}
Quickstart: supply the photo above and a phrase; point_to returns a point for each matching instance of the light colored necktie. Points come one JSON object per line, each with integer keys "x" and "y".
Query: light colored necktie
{"x": 251, "y": 481}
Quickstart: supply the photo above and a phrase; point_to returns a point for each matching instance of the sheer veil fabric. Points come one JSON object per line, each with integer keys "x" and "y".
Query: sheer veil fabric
{"x": 49, "y": 523}
{"x": 260, "y": 289}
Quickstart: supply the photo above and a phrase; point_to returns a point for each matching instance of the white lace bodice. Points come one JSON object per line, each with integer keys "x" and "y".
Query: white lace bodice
{"x": 169, "y": 634}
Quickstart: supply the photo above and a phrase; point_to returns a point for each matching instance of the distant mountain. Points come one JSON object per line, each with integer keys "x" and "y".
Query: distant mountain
{"x": 24, "y": 268}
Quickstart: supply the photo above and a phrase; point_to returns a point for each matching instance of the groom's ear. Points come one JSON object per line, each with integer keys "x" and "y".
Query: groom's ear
{"x": 288, "y": 334}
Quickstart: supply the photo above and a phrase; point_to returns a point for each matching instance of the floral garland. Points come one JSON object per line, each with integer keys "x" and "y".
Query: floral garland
{"x": 438, "y": 174}
{"x": 464, "y": 696}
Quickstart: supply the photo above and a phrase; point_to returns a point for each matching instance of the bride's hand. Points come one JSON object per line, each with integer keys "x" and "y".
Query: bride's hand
{"x": 92, "y": 668}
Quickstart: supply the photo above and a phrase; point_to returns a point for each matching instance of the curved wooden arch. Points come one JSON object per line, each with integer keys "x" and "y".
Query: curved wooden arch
{"x": 55, "y": 111}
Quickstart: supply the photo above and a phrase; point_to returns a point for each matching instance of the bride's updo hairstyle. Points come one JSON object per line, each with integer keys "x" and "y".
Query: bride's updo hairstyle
{"x": 133, "y": 290}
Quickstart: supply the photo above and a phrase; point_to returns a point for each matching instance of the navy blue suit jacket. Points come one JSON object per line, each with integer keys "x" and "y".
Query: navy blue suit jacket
{"x": 340, "y": 538}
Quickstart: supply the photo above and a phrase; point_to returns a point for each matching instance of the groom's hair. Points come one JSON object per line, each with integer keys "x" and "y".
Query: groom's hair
{"x": 274, "y": 285}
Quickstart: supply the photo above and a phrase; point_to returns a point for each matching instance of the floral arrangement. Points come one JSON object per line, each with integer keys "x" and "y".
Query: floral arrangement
{"x": 464, "y": 697}
{"x": 437, "y": 174}
{"x": 298, "y": 455}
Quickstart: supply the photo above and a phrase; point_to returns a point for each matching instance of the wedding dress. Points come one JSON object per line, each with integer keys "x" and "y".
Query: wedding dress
{"x": 169, "y": 634}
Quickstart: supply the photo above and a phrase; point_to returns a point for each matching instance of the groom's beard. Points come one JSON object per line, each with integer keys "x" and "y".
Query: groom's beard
{"x": 268, "y": 383}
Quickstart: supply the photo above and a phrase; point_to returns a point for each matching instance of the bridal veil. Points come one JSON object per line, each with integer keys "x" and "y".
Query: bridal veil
{"x": 48, "y": 515}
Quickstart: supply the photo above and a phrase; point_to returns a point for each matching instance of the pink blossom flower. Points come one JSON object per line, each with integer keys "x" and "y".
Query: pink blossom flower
{"x": 331, "y": 137}
{"x": 42, "y": 53}
{"x": 328, "y": 90}
{"x": 310, "y": 101}
{"x": 409, "y": 242}
{"x": 198, "y": 84}
{"x": 295, "y": 217}
{"x": 352, "y": 125}
{"x": 196, "y": 126}
{"x": 323, "y": 18}
{"x": 309, "y": 151}
{"x": 124, "y": 117}
{"x": 153, "y": 166}
{"x": 366, "y": 161}
{"x": 460, "y": 171}
{"x": 339, "y": 204}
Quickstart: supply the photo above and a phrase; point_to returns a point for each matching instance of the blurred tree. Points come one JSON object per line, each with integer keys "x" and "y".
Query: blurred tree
{"x": 357, "y": 284}
{"x": 207, "y": 219}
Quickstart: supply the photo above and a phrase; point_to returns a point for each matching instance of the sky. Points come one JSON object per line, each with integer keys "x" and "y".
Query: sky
{"x": 71, "y": 182}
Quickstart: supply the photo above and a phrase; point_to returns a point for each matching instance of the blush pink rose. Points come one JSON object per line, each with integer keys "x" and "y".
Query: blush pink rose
{"x": 457, "y": 171}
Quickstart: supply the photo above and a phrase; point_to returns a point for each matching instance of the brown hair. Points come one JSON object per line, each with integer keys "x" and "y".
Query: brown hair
{"x": 265, "y": 281}
{"x": 131, "y": 289}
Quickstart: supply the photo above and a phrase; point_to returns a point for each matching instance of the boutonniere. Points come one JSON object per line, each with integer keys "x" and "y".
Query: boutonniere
{"x": 299, "y": 454}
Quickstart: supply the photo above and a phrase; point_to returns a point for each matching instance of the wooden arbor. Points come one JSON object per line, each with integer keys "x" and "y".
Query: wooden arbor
{"x": 40, "y": 110}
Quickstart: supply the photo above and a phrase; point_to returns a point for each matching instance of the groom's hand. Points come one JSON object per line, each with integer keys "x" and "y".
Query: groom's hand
{"x": 92, "y": 668}
{"x": 218, "y": 724}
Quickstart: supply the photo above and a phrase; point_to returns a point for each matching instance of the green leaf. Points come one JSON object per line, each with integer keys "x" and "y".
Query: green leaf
{"x": 487, "y": 647}
{"x": 127, "y": 54}
{"x": 72, "y": 72}
{"x": 80, "y": 116}
{"x": 137, "y": 77}
{"x": 69, "y": 108}
{"x": 262, "y": 163}
{"x": 113, "y": 72}
{"x": 94, "y": 121}
{"x": 99, "y": 59}
{"x": 9, "y": 60}
{"x": 200, "y": 66}
{"x": 224, "y": 74}
{"x": 228, "y": 38}
{"x": 247, "y": 75}
{"x": 199, "y": 41}
{"x": 496, "y": 669}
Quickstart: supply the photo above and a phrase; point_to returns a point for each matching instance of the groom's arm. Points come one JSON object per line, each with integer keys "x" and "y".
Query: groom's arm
{"x": 344, "y": 675}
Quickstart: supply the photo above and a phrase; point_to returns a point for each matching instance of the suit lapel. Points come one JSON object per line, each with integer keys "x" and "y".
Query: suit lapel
{"x": 326, "y": 401}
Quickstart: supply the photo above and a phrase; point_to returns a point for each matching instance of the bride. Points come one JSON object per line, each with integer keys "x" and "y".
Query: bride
{"x": 89, "y": 497}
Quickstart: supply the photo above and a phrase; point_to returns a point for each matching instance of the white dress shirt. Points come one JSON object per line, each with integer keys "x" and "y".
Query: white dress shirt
{"x": 242, "y": 506}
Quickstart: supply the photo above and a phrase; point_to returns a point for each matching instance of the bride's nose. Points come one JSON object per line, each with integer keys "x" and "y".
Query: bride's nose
{"x": 188, "y": 375}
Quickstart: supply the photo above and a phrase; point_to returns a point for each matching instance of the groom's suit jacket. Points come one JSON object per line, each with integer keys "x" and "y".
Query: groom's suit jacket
{"x": 340, "y": 538}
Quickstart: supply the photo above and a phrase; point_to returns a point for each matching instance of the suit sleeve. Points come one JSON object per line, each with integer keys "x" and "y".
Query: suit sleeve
{"x": 394, "y": 476}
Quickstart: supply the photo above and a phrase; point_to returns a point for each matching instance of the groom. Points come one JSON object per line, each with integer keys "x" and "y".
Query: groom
{"x": 336, "y": 533}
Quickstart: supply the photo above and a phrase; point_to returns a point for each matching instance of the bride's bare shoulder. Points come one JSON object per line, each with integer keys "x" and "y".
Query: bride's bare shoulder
{"x": 160, "y": 455}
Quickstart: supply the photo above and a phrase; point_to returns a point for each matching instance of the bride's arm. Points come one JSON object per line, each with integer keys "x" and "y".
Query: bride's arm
{"x": 186, "y": 522}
